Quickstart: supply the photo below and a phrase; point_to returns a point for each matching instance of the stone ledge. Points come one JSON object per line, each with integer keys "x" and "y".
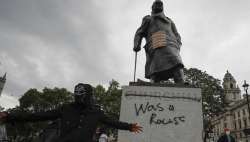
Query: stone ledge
{"x": 162, "y": 85}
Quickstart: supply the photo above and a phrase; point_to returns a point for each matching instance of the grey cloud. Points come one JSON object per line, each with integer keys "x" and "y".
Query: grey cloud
{"x": 46, "y": 39}
{"x": 59, "y": 43}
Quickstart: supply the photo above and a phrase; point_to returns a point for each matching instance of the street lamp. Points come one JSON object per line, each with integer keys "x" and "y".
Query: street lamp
{"x": 245, "y": 86}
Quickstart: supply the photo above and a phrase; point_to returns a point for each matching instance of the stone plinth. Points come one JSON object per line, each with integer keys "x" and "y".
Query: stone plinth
{"x": 167, "y": 113}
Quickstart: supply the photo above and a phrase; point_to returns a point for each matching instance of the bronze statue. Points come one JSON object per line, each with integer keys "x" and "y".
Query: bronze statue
{"x": 163, "y": 42}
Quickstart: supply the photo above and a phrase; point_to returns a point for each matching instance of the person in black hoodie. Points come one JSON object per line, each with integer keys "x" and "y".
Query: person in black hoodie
{"x": 79, "y": 119}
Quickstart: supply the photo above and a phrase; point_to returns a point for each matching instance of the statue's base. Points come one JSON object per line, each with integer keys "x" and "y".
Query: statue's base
{"x": 167, "y": 112}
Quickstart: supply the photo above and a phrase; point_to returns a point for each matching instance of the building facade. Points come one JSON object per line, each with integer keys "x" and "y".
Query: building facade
{"x": 236, "y": 117}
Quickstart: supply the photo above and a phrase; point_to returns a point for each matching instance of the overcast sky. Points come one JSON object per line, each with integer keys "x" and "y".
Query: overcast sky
{"x": 60, "y": 42}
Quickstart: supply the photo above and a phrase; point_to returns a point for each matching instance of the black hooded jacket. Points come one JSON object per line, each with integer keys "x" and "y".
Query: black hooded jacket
{"x": 78, "y": 123}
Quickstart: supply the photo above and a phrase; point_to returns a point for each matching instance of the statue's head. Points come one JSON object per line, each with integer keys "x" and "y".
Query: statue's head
{"x": 83, "y": 94}
{"x": 157, "y": 6}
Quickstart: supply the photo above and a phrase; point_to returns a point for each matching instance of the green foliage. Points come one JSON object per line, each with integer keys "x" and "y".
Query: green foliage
{"x": 212, "y": 91}
{"x": 35, "y": 101}
{"x": 213, "y": 99}
{"x": 110, "y": 100}
{"x": 47, "y": 99}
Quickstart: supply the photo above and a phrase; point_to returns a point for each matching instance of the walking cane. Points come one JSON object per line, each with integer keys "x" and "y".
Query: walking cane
{"x": 135, "y": 65}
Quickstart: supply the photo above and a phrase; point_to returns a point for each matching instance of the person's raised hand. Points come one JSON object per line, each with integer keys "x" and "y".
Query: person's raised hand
{"x": 136, "y": 128}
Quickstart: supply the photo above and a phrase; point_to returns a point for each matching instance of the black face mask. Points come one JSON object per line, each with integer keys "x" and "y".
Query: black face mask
{"x": 157, "y": 7}
{"x": 83, "y": 93}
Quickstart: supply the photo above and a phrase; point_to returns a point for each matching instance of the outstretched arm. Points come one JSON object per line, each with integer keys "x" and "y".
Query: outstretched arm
{"x": 134, "y": 127}
{"x": 29, "y": 117}
{"x": 140, "y": 33}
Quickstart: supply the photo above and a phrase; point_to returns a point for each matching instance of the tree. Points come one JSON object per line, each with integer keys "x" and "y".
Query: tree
{"x": 110, "y": 100}
{"x": 213, "y": 99}
{"x": 36, "y": 101}
{"x": 46, "y": 100}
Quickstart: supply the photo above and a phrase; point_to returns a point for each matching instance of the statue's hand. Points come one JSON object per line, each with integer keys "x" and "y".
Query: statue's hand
{"x": 3, "y": 116}
{"x": 136, "y": 49}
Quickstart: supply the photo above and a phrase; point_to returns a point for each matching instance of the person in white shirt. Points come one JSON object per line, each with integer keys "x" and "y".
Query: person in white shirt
{"x": 103, "y": 136}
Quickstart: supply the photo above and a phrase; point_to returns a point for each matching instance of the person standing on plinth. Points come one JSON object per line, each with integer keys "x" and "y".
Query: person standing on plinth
{"x": 163, "y": 42}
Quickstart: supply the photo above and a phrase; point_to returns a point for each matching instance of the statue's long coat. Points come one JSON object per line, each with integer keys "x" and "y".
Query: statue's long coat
{"x": 160, "y": 59}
